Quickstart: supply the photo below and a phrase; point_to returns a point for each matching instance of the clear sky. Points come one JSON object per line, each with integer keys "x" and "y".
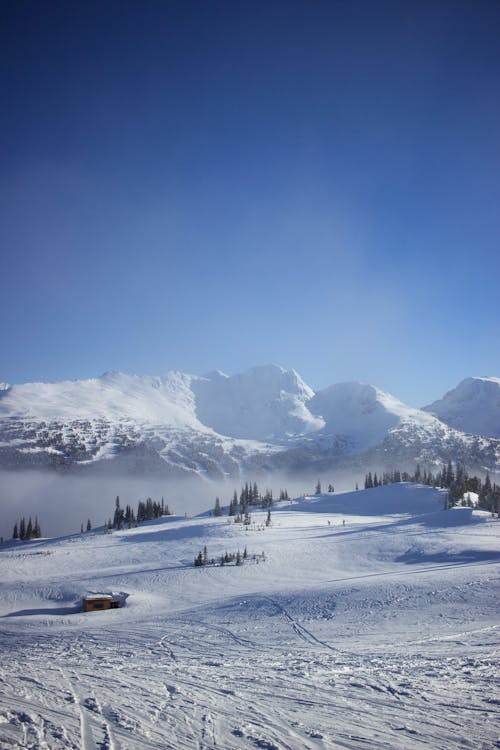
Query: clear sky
{"x": 216, "y": 185}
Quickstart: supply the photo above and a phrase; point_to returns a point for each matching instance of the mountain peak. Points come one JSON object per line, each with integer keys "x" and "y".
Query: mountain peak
{"x": 261, "y": 403}
{"x": 363, "y": 412}
{"x": 473, "y": 406}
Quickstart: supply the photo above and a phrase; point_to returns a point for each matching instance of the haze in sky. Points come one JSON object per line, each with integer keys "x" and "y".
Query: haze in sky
{"x": 191, "y": 185}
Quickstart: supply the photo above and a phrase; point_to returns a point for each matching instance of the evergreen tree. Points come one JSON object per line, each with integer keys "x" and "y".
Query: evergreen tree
{"x": 22, "y": 528}
{"x": 317, "y": 490}
{"x": 15, "y": 534}
{"x": 198, "y": 560}
{"x": 255, "y": 494}
{"x": 119, "y": 515}
{"x": 29, "y": 530}
{"x": 449, "y": 476}
{"x": 217, "y": 508}
{"x": 267, "y": 500}
{"x": 89, "y": 525}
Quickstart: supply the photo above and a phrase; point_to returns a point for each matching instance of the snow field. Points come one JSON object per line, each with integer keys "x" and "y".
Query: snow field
{"x": 380, "y": 632}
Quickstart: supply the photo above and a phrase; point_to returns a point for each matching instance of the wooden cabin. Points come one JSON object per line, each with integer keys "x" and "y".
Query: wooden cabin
{"x": 98, "y": 602}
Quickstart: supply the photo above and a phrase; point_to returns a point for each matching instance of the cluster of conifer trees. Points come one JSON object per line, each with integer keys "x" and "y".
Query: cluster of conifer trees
{"x": 28, "y": 530}
{"x": 317, "y": 489}
{"x": 455, "y": 479}
{"x": 238, "y": 558}
{"x": 146, "y": 511}
{"x": 249, "y": 497}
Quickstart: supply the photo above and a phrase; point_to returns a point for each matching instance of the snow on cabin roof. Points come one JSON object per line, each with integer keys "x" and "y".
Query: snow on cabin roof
{"x": 91, "y": 597}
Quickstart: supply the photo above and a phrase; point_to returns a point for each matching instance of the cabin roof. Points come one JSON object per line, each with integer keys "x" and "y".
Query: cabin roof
{"x": 92, "y": 597}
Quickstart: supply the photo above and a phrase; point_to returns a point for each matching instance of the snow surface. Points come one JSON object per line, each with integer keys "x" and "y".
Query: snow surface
{"x": 473, "y": 406}
{"x": 259, "y": 404}
{"x": 115, "y": 396}
{"x": 373, "y": 622}
{"x": 364, "y": 413}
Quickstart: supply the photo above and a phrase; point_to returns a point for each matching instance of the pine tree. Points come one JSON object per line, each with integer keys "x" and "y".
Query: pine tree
{"x": 119, "y": 515}
{"x": 255, "y": 493}
{"x": 22, "y": 528}
{"x": 15, "y": 534}
{"x": 29, "y": 530}
{"x": 89, "y": 525}
{"x": 317, "y": 491}
{"x": 198, "y": 560}
{"x": 217, "y": 508}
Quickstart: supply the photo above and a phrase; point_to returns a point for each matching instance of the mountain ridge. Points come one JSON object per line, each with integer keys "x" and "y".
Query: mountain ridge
{"x": 225, "y": 425}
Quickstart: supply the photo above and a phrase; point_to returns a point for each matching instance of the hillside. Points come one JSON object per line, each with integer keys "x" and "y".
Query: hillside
{"x": 367, "y": 619}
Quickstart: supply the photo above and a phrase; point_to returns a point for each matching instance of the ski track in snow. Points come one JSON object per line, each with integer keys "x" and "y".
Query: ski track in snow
{"x": 333, "y": 642}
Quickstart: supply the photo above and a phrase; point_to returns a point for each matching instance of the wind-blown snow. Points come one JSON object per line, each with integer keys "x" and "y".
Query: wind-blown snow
{"x": 372, "y": 622}
{"x": 473, "y": 406}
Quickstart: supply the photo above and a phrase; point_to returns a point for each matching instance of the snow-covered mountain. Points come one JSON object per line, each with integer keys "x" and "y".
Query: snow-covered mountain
{"x": 364, "y": 414}
{"x": 258, "y": 421}
{"x": 263, "y": 403}
{"x": 473, "y": 406}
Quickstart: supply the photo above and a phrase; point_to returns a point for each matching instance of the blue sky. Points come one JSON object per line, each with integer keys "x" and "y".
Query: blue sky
{"x": 201, "y": 185}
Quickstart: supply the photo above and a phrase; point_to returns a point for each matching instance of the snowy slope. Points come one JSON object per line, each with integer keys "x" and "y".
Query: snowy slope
{"x": 263, "y": 403}
{"x": 364, "y": 414}
{"x": 368, "y": 620}
{"x": 114, "y": 396}
{"x": 473, "y": 407}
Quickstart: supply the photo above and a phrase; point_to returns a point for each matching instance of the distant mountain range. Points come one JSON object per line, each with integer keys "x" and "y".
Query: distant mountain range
{"x": 261, "y": 421}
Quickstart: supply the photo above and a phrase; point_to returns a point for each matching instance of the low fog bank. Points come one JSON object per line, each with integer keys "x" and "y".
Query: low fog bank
{"x": 63, "y": 503}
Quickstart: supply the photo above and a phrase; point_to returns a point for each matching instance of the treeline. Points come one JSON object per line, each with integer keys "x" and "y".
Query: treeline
{"x": 453, "y": 478}
{"x": 249, "y": 497}
{"x": 147, "y": 510}
{"x": 25, "y": 531}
